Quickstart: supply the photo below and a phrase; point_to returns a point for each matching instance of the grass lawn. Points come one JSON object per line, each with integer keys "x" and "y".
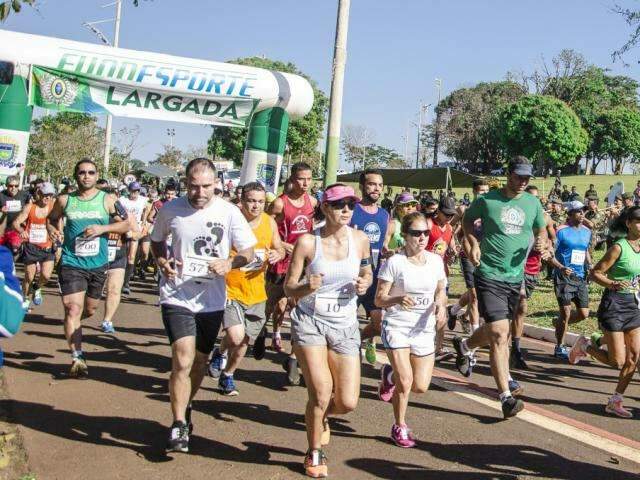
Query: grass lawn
{"x": 543, "y": 306}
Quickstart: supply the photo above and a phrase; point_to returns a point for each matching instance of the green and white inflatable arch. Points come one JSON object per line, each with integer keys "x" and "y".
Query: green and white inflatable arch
{"x": 65, "y": 75}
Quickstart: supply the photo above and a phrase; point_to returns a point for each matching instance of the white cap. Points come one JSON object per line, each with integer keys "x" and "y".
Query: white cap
{"x": 47, "y": 188}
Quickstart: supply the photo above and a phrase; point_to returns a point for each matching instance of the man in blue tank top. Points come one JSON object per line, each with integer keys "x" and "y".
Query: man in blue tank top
{"x": 374, "y": 222}
{"x": 83, "y": 267}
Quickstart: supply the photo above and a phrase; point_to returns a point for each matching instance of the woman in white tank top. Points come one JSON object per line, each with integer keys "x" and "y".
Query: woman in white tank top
{"x": 412, "y": 290}
{"x": 324, "y": 325}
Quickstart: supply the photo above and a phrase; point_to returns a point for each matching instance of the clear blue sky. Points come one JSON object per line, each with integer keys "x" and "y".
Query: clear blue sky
{"x": 395, "y": 48}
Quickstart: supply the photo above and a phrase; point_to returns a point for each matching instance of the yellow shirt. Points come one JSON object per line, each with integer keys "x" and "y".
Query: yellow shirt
{"x": 247, "y": 284}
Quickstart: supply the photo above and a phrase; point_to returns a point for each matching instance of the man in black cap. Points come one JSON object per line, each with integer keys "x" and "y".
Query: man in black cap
{"x": 510, "y": 216}
{"x": 596, "y": 220}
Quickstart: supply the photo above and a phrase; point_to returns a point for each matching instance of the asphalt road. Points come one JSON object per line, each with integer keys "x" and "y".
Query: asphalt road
{"x": 114, "y": 424}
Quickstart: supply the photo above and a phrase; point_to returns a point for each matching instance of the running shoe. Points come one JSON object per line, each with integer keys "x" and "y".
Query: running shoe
{"x": 515, "y": 388}
{"x": 516, "y": 360}
{"x": 107, "y": 327}
{"x": 315, "y": 464}
{"x": 614, "y": 407}
{"x": 370, "y": 352}
{"x": 444, "y": 354}
{"x": 451, "y": 318}
{"x": 187, "y": 417}
{"x": 561, "y": 352}
{"x": 326, "y": 433}
{"x": 141, "y": 274}
{"x": 227, "y": 385}
{"x": 385, "y": 389}
{"x": 217, "y": 364}
{"x": 79, "y": 367}
{"x": 178, "y": 438}
{"x": 26, "y": 305}
{"x": 464, "y": 362}
{"x": 402, "y": 436}
{"x": 576, "y": 352}
{"x": 595, "y": 339}
{"x": 291, "y": 367}
{"x": 259, "y": 347}
{"x": 126, "y": 291}
{"x": 37, "y": 296}
{"x": 511, "y": 407}
{"x": 276, "y": 343}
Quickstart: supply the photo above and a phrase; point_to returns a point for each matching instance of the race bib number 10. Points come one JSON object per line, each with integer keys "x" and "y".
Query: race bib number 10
{"x": 331, "y": 306}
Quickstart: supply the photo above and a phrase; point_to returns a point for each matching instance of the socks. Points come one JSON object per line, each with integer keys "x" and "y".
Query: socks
{"x": 515, "y": 344}
{"x": 276, "y": 334}
{"x": 390, "y": 378}
{"x": 616, "y": 397}
{"x": 463, "y": 347}
{"x": 504, "y": 396}
{"x": 76, "y": 353}
{"x": 510, "y": 378}
{"x": 455, "y": 309}
{"x": 585, "y": 345}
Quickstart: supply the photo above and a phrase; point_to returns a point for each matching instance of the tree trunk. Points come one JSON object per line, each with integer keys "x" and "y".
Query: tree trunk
{"x": 586, "y": 165}
{"x": 617, "y": 166}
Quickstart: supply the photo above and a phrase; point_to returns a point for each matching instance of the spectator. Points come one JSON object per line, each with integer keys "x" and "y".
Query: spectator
{"x": 636, "y": 193}
{"x": 564, "y": 196}
{"x": 386, "y": 203}
{"x": 574, "y": 196}
{"x": 591, "y": 192}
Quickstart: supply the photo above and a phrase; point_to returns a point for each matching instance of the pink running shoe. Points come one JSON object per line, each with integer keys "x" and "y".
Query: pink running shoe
{"x": 614, "y": 407}
{"x": 276, "y": 343}
{"x": 576, "y": 352}
{"x": 385, "y": 389}
{"x": 402, "y": 436}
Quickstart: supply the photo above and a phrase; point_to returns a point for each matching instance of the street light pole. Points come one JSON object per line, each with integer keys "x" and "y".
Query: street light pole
{"x": 436, "y": 136}
{"x": 422, "y": 109}
{"x": 107, "y": 132}
{"x": 172, "y": 133}
{"x": 337, "y": 83}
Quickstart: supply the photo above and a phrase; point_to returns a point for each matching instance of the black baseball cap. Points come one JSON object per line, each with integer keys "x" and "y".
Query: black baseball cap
{"x": 447, "y": 206}
{"x": 520, "y": 165}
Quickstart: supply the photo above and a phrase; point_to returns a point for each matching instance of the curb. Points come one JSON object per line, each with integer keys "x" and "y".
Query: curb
{"x": 548, "y": 334}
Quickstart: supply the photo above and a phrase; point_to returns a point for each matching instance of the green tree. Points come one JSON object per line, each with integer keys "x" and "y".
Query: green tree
{"x": 617, "y": 137}
{"x": 171, "y": 157}
{"x": 15, "y": 6}
{"x": 379, "y": 156}
{"x": 542, "y": 128}
{"x": 303, "y": 134}
{"x": 57, "y": 142}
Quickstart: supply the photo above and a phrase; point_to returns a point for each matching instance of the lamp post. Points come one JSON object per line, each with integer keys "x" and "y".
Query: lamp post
{"x": 436, "y": 136}
{"x": 171, "y": 132}
{"x": 422, "y": 108}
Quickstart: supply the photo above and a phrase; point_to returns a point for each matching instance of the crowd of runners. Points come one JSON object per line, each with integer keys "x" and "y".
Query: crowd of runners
{"x": 229, "y": 267}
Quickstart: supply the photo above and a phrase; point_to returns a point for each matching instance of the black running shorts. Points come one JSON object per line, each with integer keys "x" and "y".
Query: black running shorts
{"x": 33, "y": 254}
{"x": 618, "y": 312}
{"x": 497, "y": 300}
{"x": 467, "y": 271}
{"x": 181, "y": 322}
{"x": 74, "y": 280}
{"x": 571, "y": 289}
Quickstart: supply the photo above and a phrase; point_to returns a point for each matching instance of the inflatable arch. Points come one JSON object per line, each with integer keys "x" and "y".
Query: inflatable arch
{"x": 61, "y": 74}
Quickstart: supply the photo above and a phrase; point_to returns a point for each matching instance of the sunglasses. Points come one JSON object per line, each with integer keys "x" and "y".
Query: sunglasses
{"x": 418, "y": 233}
{"x": 87, "y": 172}
{"x": 340, "y": 204}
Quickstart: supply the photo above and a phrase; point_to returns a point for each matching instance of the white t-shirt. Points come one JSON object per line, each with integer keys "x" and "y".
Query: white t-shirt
{"x": 418, "y": 281}
{"x": 199, "y": 236}
{"x": 135, "y": 208}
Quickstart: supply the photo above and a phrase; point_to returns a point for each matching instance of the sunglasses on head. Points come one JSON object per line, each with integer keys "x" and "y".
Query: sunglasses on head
{"x": 418, "y": 233}
{"x": 350, "y": 203}
{"x": 86, "y": 172}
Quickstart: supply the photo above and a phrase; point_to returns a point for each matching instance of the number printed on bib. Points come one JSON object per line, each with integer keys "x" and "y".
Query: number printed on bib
{"x": 258, "y": 261}
{"x": 13, "y": 206}
{"x": 578, "y": 257}
{"x": 197, "y": 266}
{"x": 38, "y": 234}
{"x": 87, "y": 247}
{"x": 331, "y": 305}
{"x": 421, "y": 302}
{"x": 112, "y": 254}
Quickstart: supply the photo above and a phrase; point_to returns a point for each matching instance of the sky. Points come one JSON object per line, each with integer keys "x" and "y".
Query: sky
{"x": 396, "y": 49}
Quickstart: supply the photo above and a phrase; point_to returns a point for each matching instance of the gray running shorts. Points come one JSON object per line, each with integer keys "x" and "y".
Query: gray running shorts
{"x": 306, "y": 331}
{"x": 252, "y": 317}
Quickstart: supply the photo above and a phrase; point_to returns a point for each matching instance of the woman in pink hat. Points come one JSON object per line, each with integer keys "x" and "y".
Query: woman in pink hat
{"x": 329, "y": 268}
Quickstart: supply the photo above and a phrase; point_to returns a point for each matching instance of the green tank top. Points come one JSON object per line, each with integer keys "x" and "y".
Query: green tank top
{"x": 627, "y": 267}
{"x": 77, "y": 251}
{"x": 396, "y": 240}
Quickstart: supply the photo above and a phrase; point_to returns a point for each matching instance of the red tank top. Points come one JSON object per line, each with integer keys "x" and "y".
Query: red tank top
{"x": 295, "y": 222}
{"x": 37, "y": 228}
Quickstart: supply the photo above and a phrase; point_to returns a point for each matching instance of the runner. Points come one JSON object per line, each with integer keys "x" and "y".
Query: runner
{"x": 203, "y": 228}
{"x": 412, "y": 290}
{"x": 12, "y": 201}
{"x": 293, "y": 212}
{"x": 572, "y": 252}
{"x": 405, "y": 204}
{"x": 470, "y": 298}
{"x": 324, "y": 323}
{"x": 84, "y": 253}
{"x": 618, "y": 314}
{"x": 374, "y": 222}
{"x": 37, "y": 248}
{"x": 509, "y": 217}
{"x": 136, "y": 207}
{"x": 244, "y": 314}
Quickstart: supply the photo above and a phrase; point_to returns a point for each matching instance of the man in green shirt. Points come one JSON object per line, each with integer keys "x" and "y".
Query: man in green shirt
{"x": 83, "y": 266}
{"x": 511, "y": 219}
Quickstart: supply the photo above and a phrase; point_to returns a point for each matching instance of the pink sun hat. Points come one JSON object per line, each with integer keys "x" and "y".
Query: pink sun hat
{"x": 338, "y": 192}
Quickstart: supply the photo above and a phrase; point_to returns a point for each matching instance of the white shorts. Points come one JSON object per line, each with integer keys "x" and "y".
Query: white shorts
{"x": 421, "y": 342}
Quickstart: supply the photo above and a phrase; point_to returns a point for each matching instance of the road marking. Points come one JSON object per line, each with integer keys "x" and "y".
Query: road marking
{"x": 589, "y": 435}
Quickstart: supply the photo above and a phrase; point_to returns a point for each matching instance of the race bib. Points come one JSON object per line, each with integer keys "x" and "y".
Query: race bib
{"x": 375, "y": 256}
{"x": 87, "y": 247}
{"x": 38, "y": 234}
{"x": 14, "y": 206}
{"x": 578, "y": 257}
{"x": 197, "y": 266}
{"x": 112, "y": 253}
{"x": 421, "y": 302}
{"x": 260, "y": 256}
{"x": 331, "y": 305}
